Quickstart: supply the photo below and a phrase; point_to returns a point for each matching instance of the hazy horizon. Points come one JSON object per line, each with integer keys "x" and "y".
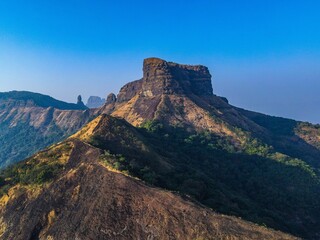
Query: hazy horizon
{"x": 263, "y": 57}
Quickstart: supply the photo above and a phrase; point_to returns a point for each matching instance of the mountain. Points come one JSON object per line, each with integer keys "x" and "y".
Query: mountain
{"x": 168, "y": 131}
{"x": 255, "y": 166}
{"x": 95, "y": 102}
{"x": 31, "y": 121}
{"x": 182, "y": 95}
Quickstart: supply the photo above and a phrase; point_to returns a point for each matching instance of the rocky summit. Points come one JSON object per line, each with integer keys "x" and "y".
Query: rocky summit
{"x": 161, "y": 77}
{"x": 175, "y": 93}
{"x": 95, "y": 102}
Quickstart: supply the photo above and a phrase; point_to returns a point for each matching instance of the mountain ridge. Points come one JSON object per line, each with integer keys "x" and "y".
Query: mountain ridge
{"x": 129, "y": 208}
{"x": 31, "y": 121}
{"x": 39, "y": 100}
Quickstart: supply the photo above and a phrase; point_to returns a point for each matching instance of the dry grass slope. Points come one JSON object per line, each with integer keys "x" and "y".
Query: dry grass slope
{"x": 87, "y": 201}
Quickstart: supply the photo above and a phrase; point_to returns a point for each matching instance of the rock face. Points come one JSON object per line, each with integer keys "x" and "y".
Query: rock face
{"x": 111, "y": 98}
{"x": 129, "y": 90}
{"x": 161, "y": 77}
{"x": 95, "y": 102}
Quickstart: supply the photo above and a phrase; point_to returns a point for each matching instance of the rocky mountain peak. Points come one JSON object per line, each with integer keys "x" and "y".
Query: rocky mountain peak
{"x": 111, "y": 98}
{"x": 162, "y": 77}
{"x": 79, "y": 101}
{"x": 95, "y": 102}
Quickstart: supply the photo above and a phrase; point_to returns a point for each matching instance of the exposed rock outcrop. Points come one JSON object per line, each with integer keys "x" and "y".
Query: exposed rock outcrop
{"x": 129, "y": 90}
{"x": 109, "y": 104}
{"x": 161, "y": 77}
{"x": 111, "y": 98}
{"x": 79, "y": 101}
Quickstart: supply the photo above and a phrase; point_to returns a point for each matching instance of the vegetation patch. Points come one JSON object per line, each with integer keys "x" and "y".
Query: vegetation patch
{"x": 37, "y": 170}
{"x": 26, "y": 138}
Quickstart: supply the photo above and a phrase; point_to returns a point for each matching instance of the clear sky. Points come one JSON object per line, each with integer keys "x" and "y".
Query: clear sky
{"x": 263, "y": 55}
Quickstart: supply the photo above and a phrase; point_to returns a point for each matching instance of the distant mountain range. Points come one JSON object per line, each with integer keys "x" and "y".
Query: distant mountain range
{"x": 95, "y": 102}
{"x": 165, "y": 132}
{"x": 38, "y": 100}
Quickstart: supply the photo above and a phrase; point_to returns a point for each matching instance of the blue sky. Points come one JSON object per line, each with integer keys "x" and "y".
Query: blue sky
{"x": 263, "y": 55}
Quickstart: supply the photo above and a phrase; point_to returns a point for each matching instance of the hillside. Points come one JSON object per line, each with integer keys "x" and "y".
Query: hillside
{"x": 262, "y": 168}
{"x": 281, "y": 194}
{"x": 68, "y": 192}
{"x": 32, "y": 121}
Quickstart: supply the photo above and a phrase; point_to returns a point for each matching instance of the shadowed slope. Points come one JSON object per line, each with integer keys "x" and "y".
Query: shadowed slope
{"x": 87, "y": 201}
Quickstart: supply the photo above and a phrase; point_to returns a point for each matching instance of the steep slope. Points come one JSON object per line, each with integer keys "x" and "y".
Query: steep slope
{"x": 281, "y": 193}
{"x": 294, "y": 138}
{"x": 82, "y": 199}
{"x": 31, "y": 121}
{"x": 177, "y": 94}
